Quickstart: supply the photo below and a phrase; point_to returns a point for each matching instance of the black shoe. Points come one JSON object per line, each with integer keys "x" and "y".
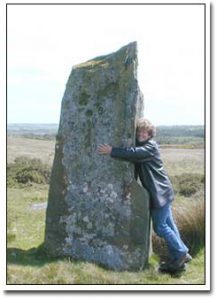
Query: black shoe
{"x": 188, "y": 257}
{"x": 181, "y": 260}
{"x": 168, "y": 268}
{"x": 176, "y": 265}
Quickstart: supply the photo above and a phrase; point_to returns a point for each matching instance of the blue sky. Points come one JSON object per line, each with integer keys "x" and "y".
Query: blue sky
{"x": 44, "y": 42}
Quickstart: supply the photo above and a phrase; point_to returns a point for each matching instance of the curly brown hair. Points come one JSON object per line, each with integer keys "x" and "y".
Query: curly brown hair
{"x": 145, "y": 124}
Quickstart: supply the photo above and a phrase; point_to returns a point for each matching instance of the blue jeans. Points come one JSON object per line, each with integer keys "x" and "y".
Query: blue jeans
{"x": 165, "y": 227}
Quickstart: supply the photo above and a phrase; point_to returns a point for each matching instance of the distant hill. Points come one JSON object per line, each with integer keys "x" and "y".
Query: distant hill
{"x": 40, "y": 131}
{"x": 181, "y": 130}
{"x": 183, "y": 134}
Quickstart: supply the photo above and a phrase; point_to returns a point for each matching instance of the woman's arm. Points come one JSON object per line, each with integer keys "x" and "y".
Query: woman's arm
{"x": 132, "y": 154}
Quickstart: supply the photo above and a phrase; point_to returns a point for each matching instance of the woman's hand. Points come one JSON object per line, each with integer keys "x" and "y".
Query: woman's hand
{"x": 104, "y": 149}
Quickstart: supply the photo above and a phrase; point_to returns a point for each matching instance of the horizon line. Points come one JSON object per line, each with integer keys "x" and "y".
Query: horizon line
{"x": 27, "y": 123}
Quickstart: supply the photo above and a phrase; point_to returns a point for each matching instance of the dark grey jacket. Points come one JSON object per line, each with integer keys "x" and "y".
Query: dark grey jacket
{"x": 149, "y": 168}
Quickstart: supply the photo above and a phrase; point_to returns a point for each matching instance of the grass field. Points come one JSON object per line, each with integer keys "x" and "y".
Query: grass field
{"x": 177, "y": 160}
{"x": 31, "y": 148}
{"x": 26, "y": 208}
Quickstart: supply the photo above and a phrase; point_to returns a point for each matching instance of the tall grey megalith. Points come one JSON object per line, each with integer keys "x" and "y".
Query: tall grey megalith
{"x": 96, "y": 210}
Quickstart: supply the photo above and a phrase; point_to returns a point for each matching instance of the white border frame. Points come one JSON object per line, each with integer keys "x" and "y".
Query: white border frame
{"x": 81, "y": 288}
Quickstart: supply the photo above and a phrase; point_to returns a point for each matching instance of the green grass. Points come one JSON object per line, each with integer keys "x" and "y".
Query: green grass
{"x": 25, "y": 223}
{"x": 32, "y": 270}
{"x": 27, "y": 263}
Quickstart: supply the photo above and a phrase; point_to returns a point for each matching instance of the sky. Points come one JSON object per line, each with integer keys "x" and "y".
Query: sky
{"x": 45, "y": 41}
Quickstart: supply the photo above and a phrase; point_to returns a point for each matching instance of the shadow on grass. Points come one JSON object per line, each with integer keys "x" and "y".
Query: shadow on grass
{"x": 31, "y": 257}
{"x": 38, "y": 257}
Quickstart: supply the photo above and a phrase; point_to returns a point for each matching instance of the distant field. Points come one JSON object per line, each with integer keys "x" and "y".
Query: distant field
{"x": 31, "y": 148}
{"x": 177, "y": 160}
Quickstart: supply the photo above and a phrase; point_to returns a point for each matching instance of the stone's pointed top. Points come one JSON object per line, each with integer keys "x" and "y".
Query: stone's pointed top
{"x": 132, "y": 45}
{"x": 129, "y": 49}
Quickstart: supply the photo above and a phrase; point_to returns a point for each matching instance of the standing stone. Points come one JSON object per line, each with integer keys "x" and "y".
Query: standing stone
{"x": 96, "y": 210}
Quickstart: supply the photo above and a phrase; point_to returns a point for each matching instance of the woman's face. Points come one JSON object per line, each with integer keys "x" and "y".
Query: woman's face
{"x": 142, "y": 135}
